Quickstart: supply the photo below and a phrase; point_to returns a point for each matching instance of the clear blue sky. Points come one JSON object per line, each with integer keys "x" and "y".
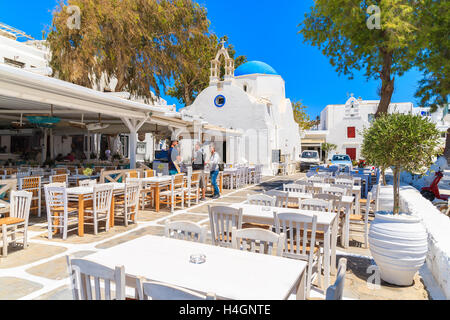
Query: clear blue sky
{"x": 262, "y": 30}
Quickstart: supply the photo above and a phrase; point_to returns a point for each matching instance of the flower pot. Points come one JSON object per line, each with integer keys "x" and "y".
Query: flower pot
{"x": 398, "y": 245}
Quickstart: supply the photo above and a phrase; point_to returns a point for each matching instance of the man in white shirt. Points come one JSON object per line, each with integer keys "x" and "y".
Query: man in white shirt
{"x": 213, "y": 164}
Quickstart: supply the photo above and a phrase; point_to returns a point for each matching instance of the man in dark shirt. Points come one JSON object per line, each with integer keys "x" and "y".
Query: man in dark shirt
{"x": 174, "y": 158}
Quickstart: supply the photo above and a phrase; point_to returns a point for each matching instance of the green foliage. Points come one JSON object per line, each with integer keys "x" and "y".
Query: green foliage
{"x": 139, "y": 43}
{"x": 327, "y": 147}
{"x": 192, "y": 73}
{"x": 402, "y": 141}
{"x": 301, "y": 117}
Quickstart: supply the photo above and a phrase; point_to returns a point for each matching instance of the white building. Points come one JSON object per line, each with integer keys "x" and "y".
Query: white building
{"x": 252, "y": 100}
{"x": 344, "y": 123}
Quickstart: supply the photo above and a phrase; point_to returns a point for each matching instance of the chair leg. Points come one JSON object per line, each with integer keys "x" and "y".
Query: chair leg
{"x": 5, "y": 240}
{"x": 50, "y": 227}
{"x": 64, "y": 229}
{"x": 25, "y": 237}
{"x": 125, "y": 215}
{"x": 95, "y": 224}
{"x": 13, "y": 236}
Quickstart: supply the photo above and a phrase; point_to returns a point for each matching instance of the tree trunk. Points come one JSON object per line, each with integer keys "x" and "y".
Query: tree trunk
{"x": 187, "y": 96}
{"x": 387, "y": 84}
{"x": 396, "y": 190}
{"x": 447, "y": 147}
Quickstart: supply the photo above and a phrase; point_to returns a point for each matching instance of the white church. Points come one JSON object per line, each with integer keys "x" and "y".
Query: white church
{"x": 252, "y": 100}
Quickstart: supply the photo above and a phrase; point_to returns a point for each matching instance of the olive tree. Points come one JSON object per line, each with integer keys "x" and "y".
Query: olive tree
{"x": 403, "y": 142}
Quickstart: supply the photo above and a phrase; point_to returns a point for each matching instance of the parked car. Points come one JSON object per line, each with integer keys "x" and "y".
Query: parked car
{"x": 341, "y": 160}
{"x": 309, "y": 158}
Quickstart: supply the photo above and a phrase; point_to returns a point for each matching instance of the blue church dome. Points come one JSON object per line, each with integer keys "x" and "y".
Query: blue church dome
{"x": 254, "y": 67}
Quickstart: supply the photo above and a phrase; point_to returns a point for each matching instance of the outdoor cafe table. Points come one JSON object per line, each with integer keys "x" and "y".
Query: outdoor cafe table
{"x": 156, "y": 183}
{"x": 356, "y": 192}
{"x": 228, "y": 273}
{"x": 81, "y": 194}
{"x": 326, "y": 222}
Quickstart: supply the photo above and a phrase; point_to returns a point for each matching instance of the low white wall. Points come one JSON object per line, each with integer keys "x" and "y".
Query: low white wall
{"x": 438, "y": 228}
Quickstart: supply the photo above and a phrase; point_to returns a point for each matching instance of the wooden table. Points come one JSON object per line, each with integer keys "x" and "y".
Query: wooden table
{"x": 156, "y": 183}
{"x": 229, "y": 273}
{"x": 81, "y": 194}
{"x": 326, "y": 222}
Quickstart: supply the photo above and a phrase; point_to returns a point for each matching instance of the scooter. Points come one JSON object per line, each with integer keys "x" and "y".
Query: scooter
{"x": 432, "y": 192}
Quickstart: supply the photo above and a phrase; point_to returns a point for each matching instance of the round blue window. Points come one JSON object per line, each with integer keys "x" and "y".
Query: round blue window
{"x": 220, "y": 101}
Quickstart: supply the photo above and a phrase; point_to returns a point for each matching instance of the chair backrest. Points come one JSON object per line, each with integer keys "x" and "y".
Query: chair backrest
{"x": 335, "y": 199}
{"x": 313, "y": 189}
{"x": 178, "y": 180}
{"x": 347, "y": 182}
{"x": 294, "y": 188}
{"x": 30, "y": 183}
{"x": 185, "y": 230}
{"x": 316, "y": 205}
{"x": 300, "y": 231}
{"x": 195, "y": 178}
{"x": 59, "y": 171}
{"x": 162, "y": 291}
{"x": 20, "y": 204}
{"x": 102, "y": 197}
{"x": 133, "y": 174}
{"x": 60, "y": 178}
{"x": 262, "y": 200}
{"x": 55, "y": 197}
{"x": 336, "y": 291}
{"x": 222, "y": 220}
{"x": 303, "y": 182}
{"x": 281, "y": 196}
{"x": 87, "y": 183}
{"x": 316, "y": 178}
{"x": 258, "y": 240}
{"x": 149, "y": 173}
{"x": 81, "y": 271}
{"x": 335, "y": 191}
{"x": 132, "y": 194}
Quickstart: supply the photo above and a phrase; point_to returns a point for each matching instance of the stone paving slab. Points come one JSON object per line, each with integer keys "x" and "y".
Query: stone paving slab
{"x": 33, "y": 253}
{"x": 185, "y": 217}
{"x": 148, "y": 215}
{"x": 56, "y": 269}
{"x": 16, "y": 288}
{"x": 153, "y": 230}
{"x": 229, "y": 200}
{"x": 61, "y": 293}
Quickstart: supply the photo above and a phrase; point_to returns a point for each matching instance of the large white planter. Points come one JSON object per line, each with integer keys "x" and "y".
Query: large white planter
{"x": 398, "y": 245}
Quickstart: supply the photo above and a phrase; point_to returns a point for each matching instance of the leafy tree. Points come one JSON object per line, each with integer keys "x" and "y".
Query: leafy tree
{"x": 340, "y": 29}
{"x": 192, "y": 73}
{"x": 328, "y": 147}
{"x": 403, "y": 142}
{"x": 301, "y": 117}
{"x": 136, "y": 42}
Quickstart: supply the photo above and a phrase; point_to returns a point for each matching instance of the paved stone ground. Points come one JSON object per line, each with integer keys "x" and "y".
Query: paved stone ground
{"x": 40, "y": 271}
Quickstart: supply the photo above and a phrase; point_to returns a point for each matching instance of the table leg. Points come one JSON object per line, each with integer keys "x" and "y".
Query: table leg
{"x": 157, "y": 198}
{"x": 81, "y": 215}
{"x": 301, "y": 289}
{"x": 221, "y": 183}
{"x": 333, "y": 245}
{"x": 348, "y": 211}
{"x": 111, "y": 213}
{"x": 326, "y": 258}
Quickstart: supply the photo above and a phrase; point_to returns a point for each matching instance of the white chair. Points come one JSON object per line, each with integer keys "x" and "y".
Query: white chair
{"x": 60, "y": 178}
{"x": 87, "y": 183}
{"x": 192, "y": 192}
{"x": 363, "y": 220}
{"x": 300, "y": 243}
{"x": 316, "y": 205}
{"x": 335, "y": 200}
{"x": 129, "y": 206}
{"x": 59, "y": 214}
{"x": 161, "y": 291}
{"x": 222, "y": 220}
{"x": 17, "y": 222}
{"x": 176, "y": 193}
{"x": 345, "y": 182}
{"x": 281, "y": 197}
{"x": 336, "y": 291}
{"x": 298, "y": 188}
{"x": 101, "y": 206}
{"x": 262, "y": 200}
{"x": 81, "y": 271}
{"x": 33, "y": 185}
{"x": 258, "y": 240}
{"x": 335, "y": 191}
{"x": 316, "y": 179}
{"x": 185, "y": 230}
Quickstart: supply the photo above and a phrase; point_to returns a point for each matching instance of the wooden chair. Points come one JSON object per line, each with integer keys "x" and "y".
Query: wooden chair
{"x": 149, "y": 173}
{"x": 262, "y": 200}
{"x": 60, "y": 178}
{"x": 81, "y": 271}
{"x": 176, "y": 193}
{"x": 33, "y": 185}
{"x": 185, "y": 230}
{"x": 192, "y": 191}
{"x": 335, "y": 200}
{"x": 59, "y": 214}
{"x": 304, "y": 182}
{"x": 87, "y": 183}
{"x": 222, "y": 220}
{"x": 128, "y": 207}
{"x": 334, "y": 191}
{"x": 281, "y": 197}
{"x": 300, "y": 243}
{"x": 345, "y": 189}
{"x": 17, "y": 222}
{"x": 298, "y": 188}
{"x": 101, "y": 205}
{"x": 336, "y": 291}
{"x": 258, "y": 240}
{"x": 346, "y": 182}
{"x": 313, "y": 189}
{"x": 161, "y": 291}
{"x": 316, "y": 179}
{"x": 316, "y": 205}
{"x": 133, "y": 174}
{"x": 363, "y": 220}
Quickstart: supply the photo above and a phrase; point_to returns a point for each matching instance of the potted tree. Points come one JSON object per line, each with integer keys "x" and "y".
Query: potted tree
{"x": 398, "y": 241}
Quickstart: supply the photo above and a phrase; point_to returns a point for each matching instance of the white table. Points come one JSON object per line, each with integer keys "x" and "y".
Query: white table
{"x": 326, "y": 222}
{"x": 229, "y": 273}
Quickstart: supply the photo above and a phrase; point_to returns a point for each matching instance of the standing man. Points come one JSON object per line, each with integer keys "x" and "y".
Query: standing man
{"x": 174, "y": 158}
{"x": 198, "y": 164}
{"x": 214, "y": 168}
